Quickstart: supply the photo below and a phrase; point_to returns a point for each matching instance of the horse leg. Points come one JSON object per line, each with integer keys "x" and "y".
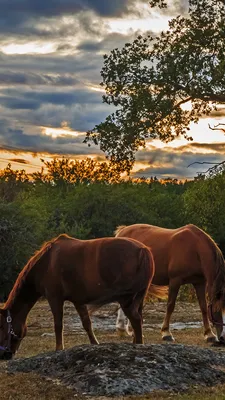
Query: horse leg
{"x": 174, "y": 286}
{"x": 56, "y": 306}
{"x": 133, "y": 311}
{"x": 200, "y": 289}
{"x": 86, "y": 322}
{"x": 121, "y": 325}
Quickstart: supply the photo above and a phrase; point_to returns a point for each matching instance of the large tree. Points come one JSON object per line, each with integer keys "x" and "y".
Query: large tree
{"x": 150, "y": 79}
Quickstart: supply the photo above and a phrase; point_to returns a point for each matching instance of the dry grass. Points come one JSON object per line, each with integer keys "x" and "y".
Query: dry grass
{"x": 21, "y": 386}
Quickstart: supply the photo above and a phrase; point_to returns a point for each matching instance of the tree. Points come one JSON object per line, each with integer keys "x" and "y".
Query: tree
{"x": 62, "y": 172}
{"x": 12, "y": 182}
{"x": 150, "y": 79}
{"x": 204, "y": 204}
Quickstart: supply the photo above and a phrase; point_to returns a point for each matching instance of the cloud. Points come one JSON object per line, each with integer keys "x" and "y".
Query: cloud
{"x": 165, "y": 163}
{"x": 175, "y": 7}
{"x": 214, "y": 147}
{"x": 32, "y": 79}
{"x": 25, "y": 12}
{"x": 19, "y": 161}
{"x": 15, "y": 139}
{"x": 63, "y": 42}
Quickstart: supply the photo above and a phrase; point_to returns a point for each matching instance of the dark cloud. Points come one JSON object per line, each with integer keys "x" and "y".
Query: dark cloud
{"x": 220, "y": 112}
{"x": 215, "y": 147}
{"x": 79, "y": 64}
{"x": 19, "y": 160}
{"x": 13, "y": 98}
{"x": 108, "y": 42}
{"x": 165, "y": 163}
{"x": 19, "y": 103}
{"x": 31, "y": 79}
{"x": 17, "y": 139}
{"x": 24, "y": 11}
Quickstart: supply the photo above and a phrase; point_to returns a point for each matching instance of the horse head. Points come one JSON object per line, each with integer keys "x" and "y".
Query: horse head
{"x": 11, "y": 334}
{"x": 216, "y": 312}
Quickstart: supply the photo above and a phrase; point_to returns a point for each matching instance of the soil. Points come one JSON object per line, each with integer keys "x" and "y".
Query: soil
{"x": 115, "y": 367}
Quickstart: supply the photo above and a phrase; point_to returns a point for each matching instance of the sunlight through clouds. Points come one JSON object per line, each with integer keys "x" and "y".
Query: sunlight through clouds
{"x": 153, "y": 23}
{"x": 28, "y": 48}
{"x": 57, "y": 132}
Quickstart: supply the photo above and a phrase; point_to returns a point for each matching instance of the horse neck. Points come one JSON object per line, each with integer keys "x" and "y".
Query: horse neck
{"x": 23, "y": 296}
{"x": 214, "y": 272}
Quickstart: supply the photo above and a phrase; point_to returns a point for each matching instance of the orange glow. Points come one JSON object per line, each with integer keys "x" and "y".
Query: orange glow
{"x": 62, "y": 131}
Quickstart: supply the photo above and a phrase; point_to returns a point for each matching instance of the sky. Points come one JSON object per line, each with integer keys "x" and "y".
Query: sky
{"x": 51, "y": 54}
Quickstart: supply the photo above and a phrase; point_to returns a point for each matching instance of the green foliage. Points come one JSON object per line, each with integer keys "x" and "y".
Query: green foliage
{"x": 204, "y": 203}
{"x": 12, "y": 182}
{"x": 17, "y": 243}
{"x": 150, "y": 79}
{"x": 38, "y": 210}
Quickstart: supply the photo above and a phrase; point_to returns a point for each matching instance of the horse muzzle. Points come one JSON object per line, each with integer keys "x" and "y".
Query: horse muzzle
{"x": 5, "y": 354}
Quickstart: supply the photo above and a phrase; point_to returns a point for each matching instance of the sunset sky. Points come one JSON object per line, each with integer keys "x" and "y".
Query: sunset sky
{"x": 51, "y": 54}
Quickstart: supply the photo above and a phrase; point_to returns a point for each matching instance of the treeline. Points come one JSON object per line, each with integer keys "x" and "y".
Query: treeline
{"x": 87, "y": 199}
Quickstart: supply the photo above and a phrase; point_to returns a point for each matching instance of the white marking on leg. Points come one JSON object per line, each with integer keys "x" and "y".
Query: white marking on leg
{"x": 121, "y": 320}
{"x": 223, "y": 331}
{"x": 129, "y": 329}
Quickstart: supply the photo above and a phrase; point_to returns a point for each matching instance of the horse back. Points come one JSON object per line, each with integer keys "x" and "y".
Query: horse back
{"x": 93, "y": 269}
{"x": 175, "y": 251}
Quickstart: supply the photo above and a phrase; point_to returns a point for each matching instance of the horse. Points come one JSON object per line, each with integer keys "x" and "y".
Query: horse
{"x": 84, "y": 272}
{"x": 184, "y": 255}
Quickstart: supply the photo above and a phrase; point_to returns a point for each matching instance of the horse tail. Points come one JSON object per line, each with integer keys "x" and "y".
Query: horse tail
{"x": 146, "y": 268}
{"x": 119, "y": 229}
{"x": 159, "y": 292}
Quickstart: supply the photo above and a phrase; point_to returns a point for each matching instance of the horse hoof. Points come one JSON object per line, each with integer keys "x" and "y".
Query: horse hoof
{"x": 211, "y": 339}
{"x": 121, "y": 332}
{"x": 222, "y": 340}
{"x": 168, "y": 338}
{"x": 218, "y": 343}
{"x": 130, "y": 333}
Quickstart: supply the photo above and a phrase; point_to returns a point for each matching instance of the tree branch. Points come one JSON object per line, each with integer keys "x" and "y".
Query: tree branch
{"x": 205, "y": 162}
{"x": 216, "y": 128}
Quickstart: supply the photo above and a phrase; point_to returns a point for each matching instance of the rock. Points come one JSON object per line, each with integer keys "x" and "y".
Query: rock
{"x": 126, "y": 369}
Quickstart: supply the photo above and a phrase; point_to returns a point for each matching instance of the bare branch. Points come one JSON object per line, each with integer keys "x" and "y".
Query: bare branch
{"x": 204, "y": 162}
{"x": 183, "y": 101}
{"x": 217, "y": 128}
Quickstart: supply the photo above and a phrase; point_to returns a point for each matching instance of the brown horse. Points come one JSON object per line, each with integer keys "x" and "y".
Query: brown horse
{"x": 184, "y": 255}
{"x": 93, "y": 272}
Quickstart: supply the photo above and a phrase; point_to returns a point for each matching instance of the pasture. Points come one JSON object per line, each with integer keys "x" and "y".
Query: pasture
{"x": 40, "y": 339}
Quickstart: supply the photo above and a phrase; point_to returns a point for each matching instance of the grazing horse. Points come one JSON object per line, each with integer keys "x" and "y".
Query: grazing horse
{"x": 184, "y": 255}
{"x": 94, "y": 272}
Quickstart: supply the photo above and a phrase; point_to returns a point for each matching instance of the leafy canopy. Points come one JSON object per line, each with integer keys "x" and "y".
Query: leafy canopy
{"x": 150, "y": 79}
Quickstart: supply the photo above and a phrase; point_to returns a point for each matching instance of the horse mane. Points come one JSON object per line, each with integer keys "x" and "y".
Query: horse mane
{"x": 30, "y": 264}
{"x": 119, "y": 229}
{"x": 218, "y": 288}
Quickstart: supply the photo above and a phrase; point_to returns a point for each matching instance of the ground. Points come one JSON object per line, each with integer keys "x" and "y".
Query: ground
{"x": 188, "y": 369}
